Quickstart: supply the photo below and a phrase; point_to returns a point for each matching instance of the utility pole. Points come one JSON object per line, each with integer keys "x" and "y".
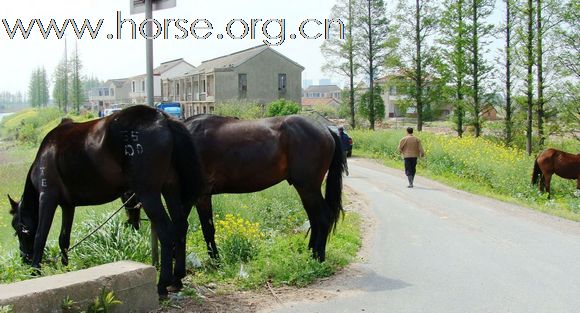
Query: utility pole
{"x": 149, "y": 51}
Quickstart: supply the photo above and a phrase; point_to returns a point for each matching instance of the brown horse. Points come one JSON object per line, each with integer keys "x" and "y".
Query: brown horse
{"x": 239, "y": 156}
{"x": 552, "y": 161}
{"x": 91, "y": 163}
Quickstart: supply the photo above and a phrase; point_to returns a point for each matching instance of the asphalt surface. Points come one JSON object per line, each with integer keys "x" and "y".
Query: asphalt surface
{"x": 436, "y": 249}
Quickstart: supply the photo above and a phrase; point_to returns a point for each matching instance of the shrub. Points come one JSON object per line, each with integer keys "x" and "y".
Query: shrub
{"x": 237, "y": 238}
{"x": 283, "y": 107}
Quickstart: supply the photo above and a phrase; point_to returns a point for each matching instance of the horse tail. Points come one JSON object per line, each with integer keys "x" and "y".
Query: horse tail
{"x": 537, "y": 172}
{"x": 186, "y": 161}
{"x": 334, "y": 181}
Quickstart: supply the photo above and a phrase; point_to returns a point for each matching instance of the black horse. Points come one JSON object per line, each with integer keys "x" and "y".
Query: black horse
{"x": 240, "y": 156}
{"x": 91, "y": 163}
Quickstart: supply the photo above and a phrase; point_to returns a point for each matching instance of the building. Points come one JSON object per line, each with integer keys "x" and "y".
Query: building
{"x": 137, "y": 91}
{"x": 321, "y": 95}
{"x": 113, "y": 91}
{"x": 259, "y": 74}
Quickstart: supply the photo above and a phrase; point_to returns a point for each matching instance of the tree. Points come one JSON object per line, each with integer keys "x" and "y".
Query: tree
{"x": 59, "y": 92}
{"x": 38, "y": 88}
{"x": 339, "y": 52}
{"x": 375, "y": 44}
{"x": 77, "y": 94}
{"x": 509, "y": 23}
{"x": 529, "y": 52}
{"x": 480, "y": 10}
{"x": 417, "y": 55}
{"x": 455, "y": 39}
{"x": 377, "y": 105}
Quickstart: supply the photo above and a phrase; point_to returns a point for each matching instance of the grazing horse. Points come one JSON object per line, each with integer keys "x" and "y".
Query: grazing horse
{"x": 240, "y": 156}
{"x": 552, "y": 161}
{"x": 92, "y": 163}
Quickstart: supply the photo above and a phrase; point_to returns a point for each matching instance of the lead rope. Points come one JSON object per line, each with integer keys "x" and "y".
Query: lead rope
{"x": 100, "y": 226}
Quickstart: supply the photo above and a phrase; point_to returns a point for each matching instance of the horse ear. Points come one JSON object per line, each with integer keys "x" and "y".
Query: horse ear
{"x": 13, "y": 205}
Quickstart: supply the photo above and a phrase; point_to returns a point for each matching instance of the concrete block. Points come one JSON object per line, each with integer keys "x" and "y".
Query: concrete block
{"x": 133, "y": 283}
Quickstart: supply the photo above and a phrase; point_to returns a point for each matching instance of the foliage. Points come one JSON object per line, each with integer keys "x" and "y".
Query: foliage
{"x": 31, "y": 125}
{"x": 339, "y": 53}
{"x": 38, "y": 88}
{"x": 60, "y": 88}
{"x": 283, "y": 107}
{"x": 103, "y": 303}
{"x": 479, "y": 165}
{"x": 114, "y": 242}
{"x": 364, "y": 106}
{"x": 239, "y": 109}
{"x": 77, "y": 96}
{"x": 68, "y": 305}
{"x": 375, "y": 45}
{"x": 237, "y": 239}
{"x": 6, "y": 308}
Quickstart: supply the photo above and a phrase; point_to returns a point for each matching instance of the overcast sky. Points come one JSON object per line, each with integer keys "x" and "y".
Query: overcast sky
{"x": 113, "y": 58}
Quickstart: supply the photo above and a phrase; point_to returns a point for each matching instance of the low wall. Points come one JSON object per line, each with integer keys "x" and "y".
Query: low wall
{"x": 132, "y": 283}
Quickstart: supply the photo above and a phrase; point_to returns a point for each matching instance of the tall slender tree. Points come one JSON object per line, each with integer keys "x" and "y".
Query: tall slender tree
{"x": 455, "y": 39}
{"x": 529, "y": 52}
{"x": 508, "y": 30}
{"x": 416, "y": 51}
{"x": 60, "y": 78}
{"x": 38, "y": 88}
{"x": 479, "y": 69}
{"x": 77, "y": 94}
{"x": 375, "y": 44}
{"x": 339, "y": 49}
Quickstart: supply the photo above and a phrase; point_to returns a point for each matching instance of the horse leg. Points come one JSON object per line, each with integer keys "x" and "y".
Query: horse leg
{"x": 319, "y": 220}
{"x": 548, "y": 179}
{"x": 156, "y": 212}
{"x": 205, "y": 212}
{"x": 46, "y": 212}
{"x": 179, "y": 219}
{"x": 68, "y": 213}
{"x": 542, "y": 184}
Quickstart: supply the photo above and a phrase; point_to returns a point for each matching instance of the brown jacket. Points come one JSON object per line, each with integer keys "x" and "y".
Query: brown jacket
{"x": 410, "y": 147}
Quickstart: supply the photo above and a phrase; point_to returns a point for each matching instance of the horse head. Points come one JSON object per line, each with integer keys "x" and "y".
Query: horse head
{"x": 24, "y": 227}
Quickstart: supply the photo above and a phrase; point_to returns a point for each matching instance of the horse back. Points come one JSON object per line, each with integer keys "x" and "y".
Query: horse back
{"x": 564, "y": 164}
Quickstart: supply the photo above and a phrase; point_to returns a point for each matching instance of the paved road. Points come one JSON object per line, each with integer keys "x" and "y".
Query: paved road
{"x": 436, "y": 249}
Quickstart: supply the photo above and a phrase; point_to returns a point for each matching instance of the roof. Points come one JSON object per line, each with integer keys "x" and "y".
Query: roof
{"x": 322, "y": 88}
{"x": 235, "y": 59}
{"x": 165, "y": 66}
{"x": 319, "y": 101}
{"x": 117, "y": 82}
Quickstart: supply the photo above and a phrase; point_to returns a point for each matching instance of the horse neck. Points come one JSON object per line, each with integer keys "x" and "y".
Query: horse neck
{"x": 29, "y": 201}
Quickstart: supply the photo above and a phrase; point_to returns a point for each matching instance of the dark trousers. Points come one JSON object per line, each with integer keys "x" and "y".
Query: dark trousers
{"x": 410, "y": 166}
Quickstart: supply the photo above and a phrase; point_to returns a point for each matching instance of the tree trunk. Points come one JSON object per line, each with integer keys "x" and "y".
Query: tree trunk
{"x": 529, "y": 78}
{"x": 418, "y": 69}
{"x": 475, "y": 47}
{"x": 351, "y": 62}
{"x": 508, "y": 87}
{"x": 540, "y": 65}
{"x": 371, "y": 69}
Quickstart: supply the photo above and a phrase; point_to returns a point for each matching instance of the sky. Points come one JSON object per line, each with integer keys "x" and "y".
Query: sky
{"x": 117, "y": 58}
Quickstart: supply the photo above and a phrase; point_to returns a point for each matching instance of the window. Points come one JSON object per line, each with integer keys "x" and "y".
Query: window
{"x": 203, "y": 85}
{"x": 281, "y": 85}
{"x": 112, "y": 92}
{"x": 242, "y": 86}
{"x": 177, "y": 94}
{"x": 133, "y": 88}
{"x": 142, "y": 85}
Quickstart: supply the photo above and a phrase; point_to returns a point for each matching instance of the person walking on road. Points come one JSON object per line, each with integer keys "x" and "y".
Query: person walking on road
{"x": 410, "y": 147}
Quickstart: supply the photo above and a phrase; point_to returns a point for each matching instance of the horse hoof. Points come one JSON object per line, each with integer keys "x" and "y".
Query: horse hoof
{"x": 175, "y": 289}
